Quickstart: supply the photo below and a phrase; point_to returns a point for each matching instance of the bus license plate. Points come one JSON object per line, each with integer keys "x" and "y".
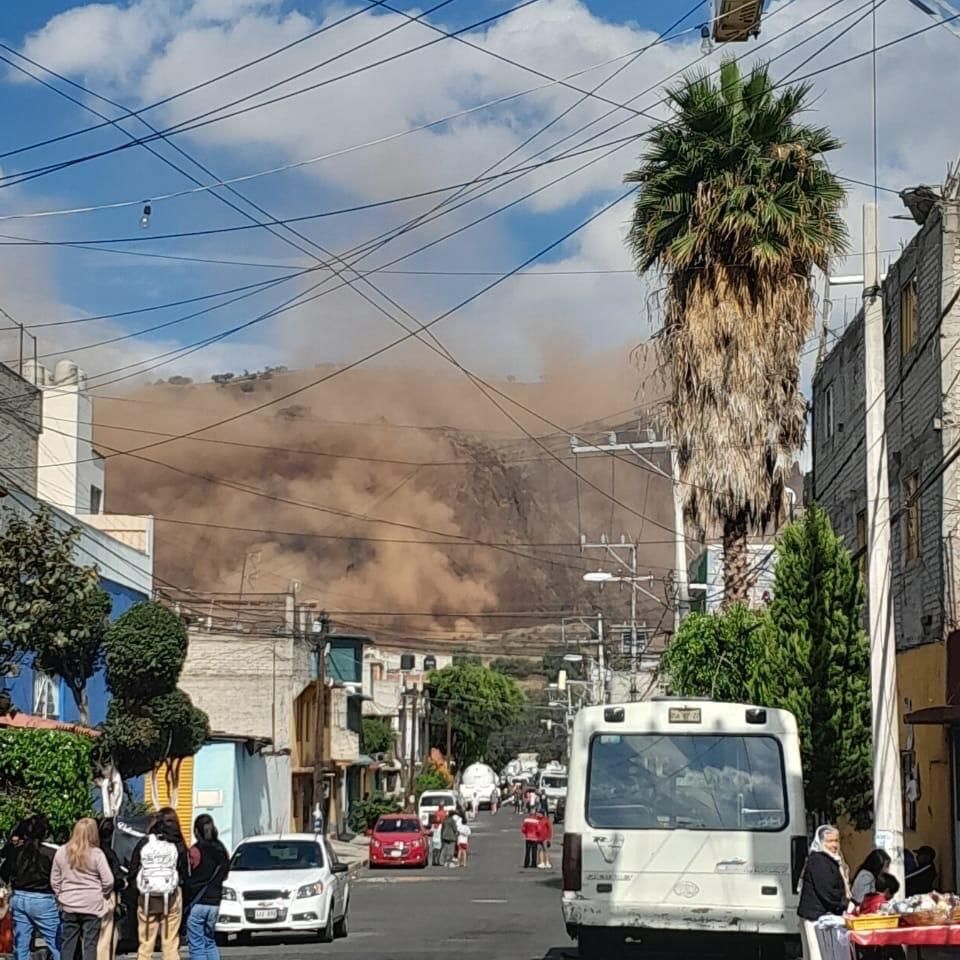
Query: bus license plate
{"x": 264, "y": 914}
{"x": 685, "y": 715}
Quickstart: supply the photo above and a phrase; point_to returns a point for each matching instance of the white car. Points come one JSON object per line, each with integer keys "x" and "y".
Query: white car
{"x": 430, "y": 801}
{"x": 288, "y": 882}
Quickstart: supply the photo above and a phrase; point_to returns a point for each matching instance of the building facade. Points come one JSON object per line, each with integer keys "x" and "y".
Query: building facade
{"x": 921, "y": 319}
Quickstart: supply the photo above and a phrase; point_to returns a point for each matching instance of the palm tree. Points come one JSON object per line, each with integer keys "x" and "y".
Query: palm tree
{"x": 736, "y": 205}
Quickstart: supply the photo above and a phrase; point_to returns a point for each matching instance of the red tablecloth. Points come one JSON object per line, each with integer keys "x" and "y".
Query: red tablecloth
{"x": 908, "y": 937}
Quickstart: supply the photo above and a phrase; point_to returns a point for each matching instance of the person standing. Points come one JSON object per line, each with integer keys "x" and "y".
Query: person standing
{"x": 159, "y": 867}
{"x": 530, "y": 828}
{"x": 436, "y": 841}
{"x": 209, "y": 861}
{"x": 463, "y": 842}
{"x": 448, "y": 837}
{"x": 82, "y": 882}
{"x": 544, "y": 839}
{"x": 824, "y": 888}
{"x": 26, "y": 870}
{"x": 107, "y": 944}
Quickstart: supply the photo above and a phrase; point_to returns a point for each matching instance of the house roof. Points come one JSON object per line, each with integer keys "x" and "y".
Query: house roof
{"x": 27, "y": 721}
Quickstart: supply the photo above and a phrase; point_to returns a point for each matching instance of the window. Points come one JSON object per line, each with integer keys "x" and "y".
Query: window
{"x": 686, "y": 782}
{"x": 46, "y": 696}
{"x": 862, "y": 543}
{"x": 909, "y": 315}
{"x": 911, "y": 518}
{"x": 277, "y": 855}
{"x": 829, "y": 416}
{"x": 96, "y": 499}
{"x": 376, "y": 671}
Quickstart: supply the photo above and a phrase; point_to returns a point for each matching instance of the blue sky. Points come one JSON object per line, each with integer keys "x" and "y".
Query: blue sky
{"x": 140, "y": 51}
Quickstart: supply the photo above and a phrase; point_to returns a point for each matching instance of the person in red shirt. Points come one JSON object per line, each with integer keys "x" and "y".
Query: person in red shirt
{"x": 530, "y": 828}
{"x": 887, "y": 887}
{"x": 544, "y": 838}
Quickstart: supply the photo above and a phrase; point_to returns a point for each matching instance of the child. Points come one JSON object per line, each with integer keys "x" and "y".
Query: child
{"x": 887, "y": 887}
{"x": 436, "y": 841}
{"x": 463, "y": 843}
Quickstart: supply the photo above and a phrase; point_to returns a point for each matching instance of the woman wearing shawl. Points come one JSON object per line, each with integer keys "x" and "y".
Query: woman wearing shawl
{"x": 824, "y": 887}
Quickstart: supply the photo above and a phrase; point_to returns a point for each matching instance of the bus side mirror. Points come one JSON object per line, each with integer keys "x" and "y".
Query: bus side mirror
{"x": 798, "y": 859}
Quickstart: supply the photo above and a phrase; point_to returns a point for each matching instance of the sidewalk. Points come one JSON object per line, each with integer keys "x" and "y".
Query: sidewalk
{"x": 355, "y": 852}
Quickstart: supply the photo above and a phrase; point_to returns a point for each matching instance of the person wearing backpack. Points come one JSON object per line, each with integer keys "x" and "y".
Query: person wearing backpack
{"x": 209, "y": 861}
{"x": 159, "y": 867}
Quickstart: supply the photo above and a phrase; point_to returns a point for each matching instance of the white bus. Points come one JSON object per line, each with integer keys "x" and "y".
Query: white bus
{"x": 684, "y": 821}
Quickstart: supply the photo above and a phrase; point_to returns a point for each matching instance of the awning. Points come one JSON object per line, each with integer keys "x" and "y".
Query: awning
{"x": 934, "y": 716}
{"x": 363, "y": 760}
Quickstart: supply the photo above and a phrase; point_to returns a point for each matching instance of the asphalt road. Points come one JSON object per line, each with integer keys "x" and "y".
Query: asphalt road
{"x": 493, "y": 909}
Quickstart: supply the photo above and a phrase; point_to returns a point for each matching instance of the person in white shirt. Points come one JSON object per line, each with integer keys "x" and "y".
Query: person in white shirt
{"x": 463, "y": 843}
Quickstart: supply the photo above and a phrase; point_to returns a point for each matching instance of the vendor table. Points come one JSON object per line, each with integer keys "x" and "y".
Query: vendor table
{"x": 946, "y": 936}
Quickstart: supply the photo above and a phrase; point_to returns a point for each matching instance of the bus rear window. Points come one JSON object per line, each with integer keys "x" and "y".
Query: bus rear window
{"x": 686, "y": 782}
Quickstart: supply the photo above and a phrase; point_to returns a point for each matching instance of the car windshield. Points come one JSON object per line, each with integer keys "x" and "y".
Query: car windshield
{"x": 553, "y": 783}
{"x": 398, "y": 825}
{"x": 434, "y": 801}
{"x": 686, "y": 782}
{"x": 277, "y": 855}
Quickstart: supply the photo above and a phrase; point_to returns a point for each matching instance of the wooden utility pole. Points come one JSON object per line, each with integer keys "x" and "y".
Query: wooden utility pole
{"x": 413, "y": 744}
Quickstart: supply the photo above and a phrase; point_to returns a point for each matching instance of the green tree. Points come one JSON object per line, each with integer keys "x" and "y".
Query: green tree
{"x": 736, "y": 205}
{"x": 430, "y": 778}
{"x": 529, "y": 733}
{"x": 376, "y": 735}
{"x": 819, "y": 666}
{"x": 518, "y": 667}
{"x": 718, "y": 655}
{"x": 48, "y": 772}
{"x": 50, "y": 607}
{"x": 480, "y": 701}
{"x": 150, "y": 722}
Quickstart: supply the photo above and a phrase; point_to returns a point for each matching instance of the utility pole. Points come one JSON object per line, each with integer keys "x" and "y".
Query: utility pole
{"x": 413, "y": 743}
{"x": 639, "y": 450}
{"x": 449, "y": 735}
{"x": 601, "y": 666}
{"x": 320, "y": 686}
{"x": 887, "y": 809}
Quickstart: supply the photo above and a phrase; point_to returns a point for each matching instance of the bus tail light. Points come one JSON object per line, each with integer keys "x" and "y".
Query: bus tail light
{"x": 572, "y": 861}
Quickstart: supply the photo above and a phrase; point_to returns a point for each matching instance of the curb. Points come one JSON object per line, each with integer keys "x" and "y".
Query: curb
{"x": 357, "y": 866}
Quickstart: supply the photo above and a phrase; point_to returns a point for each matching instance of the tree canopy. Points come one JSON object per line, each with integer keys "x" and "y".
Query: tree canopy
{"x": 736, "y": 205}
{"x": 807, "y": 653}
{"x": 480, "y": 701}
{"x": 50, "y": 607}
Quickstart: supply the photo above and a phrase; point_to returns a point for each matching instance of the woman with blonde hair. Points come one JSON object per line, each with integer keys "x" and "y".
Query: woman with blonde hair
{"x": 82, "y": 883}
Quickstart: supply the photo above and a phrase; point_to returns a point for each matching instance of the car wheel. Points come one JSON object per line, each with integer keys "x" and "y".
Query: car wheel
{"x": 326, "y": 934}
{"x": 220, "y": 939}
{"x": 340, "y": 930}
{"x": 244, "y": 938}
{"x": 423, "y": 865}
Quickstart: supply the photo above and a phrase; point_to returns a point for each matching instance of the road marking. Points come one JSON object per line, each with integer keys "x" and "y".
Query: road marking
{"x": 488, "y": 901}
{"x": 402, "y": 879}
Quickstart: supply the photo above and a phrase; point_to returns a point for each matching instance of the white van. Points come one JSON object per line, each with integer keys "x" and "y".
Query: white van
{"x": 684, "y": 821}
{"x": 552, "y": 784}
{"x": 431, "y": 801}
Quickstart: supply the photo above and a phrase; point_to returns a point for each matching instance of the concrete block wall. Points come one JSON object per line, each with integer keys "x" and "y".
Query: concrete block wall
{"x": 916, "y": 412}
{"x": 247, "y": 685}
{"x": 20, "y": 425}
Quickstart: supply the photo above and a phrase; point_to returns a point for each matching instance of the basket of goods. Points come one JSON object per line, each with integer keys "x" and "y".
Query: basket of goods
{"x": 929, "y": 910}
{"x": 872, "y": 921}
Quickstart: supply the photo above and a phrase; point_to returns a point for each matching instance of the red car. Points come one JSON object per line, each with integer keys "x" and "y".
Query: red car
{"x": 398, "y": 839}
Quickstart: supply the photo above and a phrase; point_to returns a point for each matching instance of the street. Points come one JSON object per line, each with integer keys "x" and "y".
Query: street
{"x": 494, "y": 909}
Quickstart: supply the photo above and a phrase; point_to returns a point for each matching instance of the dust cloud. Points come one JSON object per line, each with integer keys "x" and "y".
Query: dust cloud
{"x": 421, "y": 454}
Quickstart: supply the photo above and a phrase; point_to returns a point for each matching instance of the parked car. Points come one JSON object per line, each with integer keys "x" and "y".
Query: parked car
{"x": 289, "y": 882}
{"x": 398, "y": 839}
{"x": 430, "y": 801}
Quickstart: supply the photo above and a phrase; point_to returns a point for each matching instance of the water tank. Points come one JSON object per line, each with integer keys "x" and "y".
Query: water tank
{"x": 36, "y": 373}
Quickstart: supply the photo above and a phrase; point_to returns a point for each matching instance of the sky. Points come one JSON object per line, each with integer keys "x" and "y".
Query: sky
{"x": 366, "y": 126}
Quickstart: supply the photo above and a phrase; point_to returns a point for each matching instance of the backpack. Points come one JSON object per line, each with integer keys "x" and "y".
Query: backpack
{"x": 158, "y": 876}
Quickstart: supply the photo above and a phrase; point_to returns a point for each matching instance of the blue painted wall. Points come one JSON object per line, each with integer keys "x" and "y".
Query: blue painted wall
{"x": 21, "y": 687}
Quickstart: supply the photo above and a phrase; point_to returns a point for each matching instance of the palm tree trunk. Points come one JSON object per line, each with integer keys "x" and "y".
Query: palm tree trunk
{"x": 735, "y": 579}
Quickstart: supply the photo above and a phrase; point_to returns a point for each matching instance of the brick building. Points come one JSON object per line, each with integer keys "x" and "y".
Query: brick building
{"x": 922, "y": 370}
